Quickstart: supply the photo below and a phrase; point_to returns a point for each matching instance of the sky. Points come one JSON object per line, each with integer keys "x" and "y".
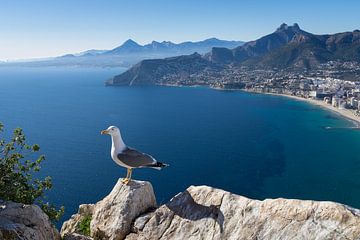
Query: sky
{"x": 43, "y": 28}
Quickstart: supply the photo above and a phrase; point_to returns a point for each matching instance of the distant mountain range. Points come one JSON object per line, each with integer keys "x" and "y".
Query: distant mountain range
{"x": 130, "y": 47}
{"x": 129, "y": 53}
{"x": 289, "y": 47}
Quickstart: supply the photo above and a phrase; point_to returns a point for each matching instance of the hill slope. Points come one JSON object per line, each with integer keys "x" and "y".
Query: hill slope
{"x": 287, "y": 47}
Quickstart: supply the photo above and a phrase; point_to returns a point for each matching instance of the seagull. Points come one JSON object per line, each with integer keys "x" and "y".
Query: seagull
{"x": 127, "y": 157}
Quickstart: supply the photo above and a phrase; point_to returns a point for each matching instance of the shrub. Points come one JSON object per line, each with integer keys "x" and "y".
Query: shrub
{"x": 17, "y": 174}
{"x": 84, "y": 225}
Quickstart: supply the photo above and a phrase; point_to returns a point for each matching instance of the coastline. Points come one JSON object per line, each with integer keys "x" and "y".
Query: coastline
{"x": 345, "y": 113}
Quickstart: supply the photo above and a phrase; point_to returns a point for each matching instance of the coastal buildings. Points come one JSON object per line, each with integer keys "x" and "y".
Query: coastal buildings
{"x": 327, "y": 83}
{"x": 320, "y": 94}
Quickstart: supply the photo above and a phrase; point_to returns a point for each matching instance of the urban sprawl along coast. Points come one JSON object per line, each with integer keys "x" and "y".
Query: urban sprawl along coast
{"x": 333, "y": 85}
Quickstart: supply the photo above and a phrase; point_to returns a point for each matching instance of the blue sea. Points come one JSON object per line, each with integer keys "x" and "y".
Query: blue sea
{"x": 259, "y": 146}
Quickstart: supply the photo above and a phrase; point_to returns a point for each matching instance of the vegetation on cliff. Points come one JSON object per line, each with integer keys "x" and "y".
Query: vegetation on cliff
{"x": 19, "y": 181}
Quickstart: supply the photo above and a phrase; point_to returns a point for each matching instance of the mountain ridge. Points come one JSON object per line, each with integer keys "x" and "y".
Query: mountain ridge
{"x": 288, "y": 47}
{"x": 127, "y": 54}
{"x": 132, "y": 46}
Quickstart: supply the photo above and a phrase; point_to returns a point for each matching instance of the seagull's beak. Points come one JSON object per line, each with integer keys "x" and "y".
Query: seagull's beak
{"x": 104, "y": 132}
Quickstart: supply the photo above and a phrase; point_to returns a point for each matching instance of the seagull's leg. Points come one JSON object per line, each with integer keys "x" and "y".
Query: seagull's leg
{"x": 130, "y": 171}
{"x": 126, "y": 179}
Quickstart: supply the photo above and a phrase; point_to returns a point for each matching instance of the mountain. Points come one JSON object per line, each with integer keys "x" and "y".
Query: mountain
{"x": 254, "y": 51}
{"x": 128, "y": 46}
{"x": 131, "y": 46}
{"x": 148, "y": 71}
{"x": 129, "y": 53}
{"x": 289, "y": 47}
{"x": 307, "y": 50}
{"x": 90, "y": 52}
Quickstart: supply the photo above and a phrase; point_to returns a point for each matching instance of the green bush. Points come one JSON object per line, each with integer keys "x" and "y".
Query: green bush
{"x": 17, "y": 170}
{"x": 84, "y": 225}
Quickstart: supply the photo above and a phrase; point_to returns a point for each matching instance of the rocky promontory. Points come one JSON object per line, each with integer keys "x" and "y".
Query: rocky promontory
{"x": 201, "y": 212}
{"x": 112, "y": 217}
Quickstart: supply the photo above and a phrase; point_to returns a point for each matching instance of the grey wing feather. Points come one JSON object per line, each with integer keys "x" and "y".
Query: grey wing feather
{"x": 134, "y": 158}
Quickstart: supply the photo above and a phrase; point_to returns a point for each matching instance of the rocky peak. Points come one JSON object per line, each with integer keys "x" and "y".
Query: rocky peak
{"x": 296, "y": 26}
{"x": 284, "y": 27}
{"x": 155, "y": 43}
{"x": 128, "y": 46}
{"x": 212, "y": 40}
{"x": 130, "y": 43}
{"x": 202, "y": 212}
{"x": 111, "y": 218}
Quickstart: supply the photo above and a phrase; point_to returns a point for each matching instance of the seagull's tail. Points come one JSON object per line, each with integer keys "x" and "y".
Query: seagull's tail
{"x": 158, "y": 165}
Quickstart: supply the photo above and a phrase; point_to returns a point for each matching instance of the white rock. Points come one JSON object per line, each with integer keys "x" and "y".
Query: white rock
{"x": 26, "y": 222}
{"x": 112, "y": 217}
{"x": 71, "y": 225}
{"x": 75, "y": 236}
{"x": 140, "y": 222}
{"x": 207, "y": 213}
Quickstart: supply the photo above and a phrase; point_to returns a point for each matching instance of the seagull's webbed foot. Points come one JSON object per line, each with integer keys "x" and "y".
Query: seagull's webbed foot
{"x": 125, "y": 181}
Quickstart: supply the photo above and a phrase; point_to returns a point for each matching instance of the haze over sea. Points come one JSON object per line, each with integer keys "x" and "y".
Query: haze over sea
{"x": 259, "y": 146}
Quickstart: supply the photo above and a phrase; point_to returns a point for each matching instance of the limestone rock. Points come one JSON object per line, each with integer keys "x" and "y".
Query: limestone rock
{"x": 75, "y": 236}
{"x": 72, "y": 225}
{"x": 112, "y": 217}
{"x": 207, "y": 213}
{"x": 140, "y": 222}
{"x": 25, "y": 222}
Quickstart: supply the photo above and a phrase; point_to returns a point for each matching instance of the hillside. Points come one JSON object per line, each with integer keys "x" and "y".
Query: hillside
{"x": 289, "y": 47}
{"x": 148, "y": 71}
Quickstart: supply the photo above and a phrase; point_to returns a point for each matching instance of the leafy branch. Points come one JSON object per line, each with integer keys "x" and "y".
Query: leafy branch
{"x": 17, "y": 174}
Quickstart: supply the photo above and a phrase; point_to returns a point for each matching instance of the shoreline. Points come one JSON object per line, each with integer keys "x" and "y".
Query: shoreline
{"x": 345, "y": 113}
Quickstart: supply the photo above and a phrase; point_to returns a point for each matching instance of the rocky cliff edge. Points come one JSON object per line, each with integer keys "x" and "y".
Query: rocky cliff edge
{"x": 201, "y": 212}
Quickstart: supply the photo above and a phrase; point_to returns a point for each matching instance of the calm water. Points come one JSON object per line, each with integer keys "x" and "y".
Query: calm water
{"x": 258, "y": 146}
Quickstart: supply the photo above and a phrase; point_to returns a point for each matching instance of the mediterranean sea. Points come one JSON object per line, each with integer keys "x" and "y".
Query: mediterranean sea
{"x": 259, "y": 146}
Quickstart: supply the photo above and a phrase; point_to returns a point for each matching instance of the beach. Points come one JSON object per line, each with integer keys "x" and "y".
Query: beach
{"x": 346, "y": 113}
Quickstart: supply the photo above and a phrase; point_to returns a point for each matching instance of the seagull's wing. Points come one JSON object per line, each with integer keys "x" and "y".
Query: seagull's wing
{"x": 135, "y": 159}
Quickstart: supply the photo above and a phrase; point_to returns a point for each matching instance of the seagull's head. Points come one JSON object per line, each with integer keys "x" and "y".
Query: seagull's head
{"x": 112, "y": 130}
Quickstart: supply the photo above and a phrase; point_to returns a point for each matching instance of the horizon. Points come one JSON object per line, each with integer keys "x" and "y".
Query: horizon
{"x": 141, "y": 44}
{"x": 146, "y": 43}
{"x": 79, "y": 26}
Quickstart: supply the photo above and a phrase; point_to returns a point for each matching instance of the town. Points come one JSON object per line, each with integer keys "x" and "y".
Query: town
{"x": 335, "y": 83}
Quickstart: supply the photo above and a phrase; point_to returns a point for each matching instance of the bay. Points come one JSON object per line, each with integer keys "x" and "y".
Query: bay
{"x": 259, "y": 146}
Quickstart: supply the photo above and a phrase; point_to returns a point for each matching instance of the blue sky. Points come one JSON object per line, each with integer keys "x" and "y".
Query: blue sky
{"x": 41, "y": 28}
